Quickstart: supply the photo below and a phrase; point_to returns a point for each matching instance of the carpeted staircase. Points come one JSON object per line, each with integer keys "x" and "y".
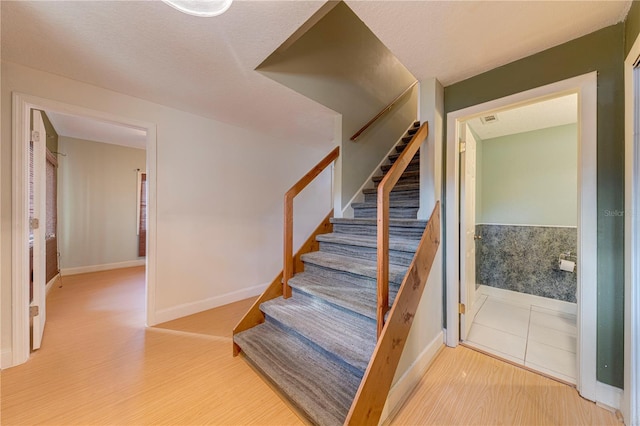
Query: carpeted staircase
{"x": 315, "y": 346}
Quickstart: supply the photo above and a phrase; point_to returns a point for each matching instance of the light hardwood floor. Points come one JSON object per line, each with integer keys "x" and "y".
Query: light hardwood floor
{"x": 100, "y": 365}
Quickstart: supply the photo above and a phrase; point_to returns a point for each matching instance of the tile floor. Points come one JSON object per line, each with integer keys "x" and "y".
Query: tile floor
{"x": 534, "y": 336}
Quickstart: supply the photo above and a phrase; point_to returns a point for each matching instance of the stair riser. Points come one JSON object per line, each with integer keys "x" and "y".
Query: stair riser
{"x": 372, "y": 230}
{"x": 413, "y": 166}
{"x": 368, "y": 253}
{"x": 393, "y": 157}
{"x": 413, "y": 194}
{"x": 349, "y": 277}
{"x": 358, "y": 372}
{"x": 394, "y": 212}
{"x": 403, "y": 180}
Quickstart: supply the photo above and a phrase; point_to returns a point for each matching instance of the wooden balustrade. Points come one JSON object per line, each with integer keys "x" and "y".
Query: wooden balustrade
{"x": 383, "y": 112}
{"x": 368, "y": 403}
{"x": 288, "y": 267}
{"x": 384, "y": 188}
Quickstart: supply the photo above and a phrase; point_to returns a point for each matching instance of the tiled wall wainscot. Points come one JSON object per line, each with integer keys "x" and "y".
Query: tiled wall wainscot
{"x": 525, "y": 259}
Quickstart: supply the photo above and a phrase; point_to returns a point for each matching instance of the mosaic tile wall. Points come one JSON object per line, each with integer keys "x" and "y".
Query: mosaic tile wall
{"x": 525, "y": 259}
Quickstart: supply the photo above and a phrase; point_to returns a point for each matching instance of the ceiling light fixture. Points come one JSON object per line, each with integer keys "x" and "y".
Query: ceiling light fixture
{"x": 202, "y": 8}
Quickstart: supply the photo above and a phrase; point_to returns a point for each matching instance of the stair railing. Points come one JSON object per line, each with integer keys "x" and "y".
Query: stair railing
{"x": 383, "y": 112}
{"x": 287, "y": 270}
{"x": 384, "y": 188}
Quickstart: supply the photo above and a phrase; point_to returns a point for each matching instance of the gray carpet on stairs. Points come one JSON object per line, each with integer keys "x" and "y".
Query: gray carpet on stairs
{"x": 319, "y": 323}
{"x": 315, "y": 346}
{"x": 321, "y": 388}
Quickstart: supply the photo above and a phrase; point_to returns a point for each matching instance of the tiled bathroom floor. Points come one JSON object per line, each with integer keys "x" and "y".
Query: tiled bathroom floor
{"x": 526, "y": 333}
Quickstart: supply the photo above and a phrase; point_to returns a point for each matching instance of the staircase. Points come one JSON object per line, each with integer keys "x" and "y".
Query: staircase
{"x": 316, "y": 345}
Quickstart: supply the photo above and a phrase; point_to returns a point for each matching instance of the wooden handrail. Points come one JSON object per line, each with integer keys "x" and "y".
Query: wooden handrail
{"x": 384, "y": 188}
{"x": 287, "y": 270}
{"x": 383, "y": 112}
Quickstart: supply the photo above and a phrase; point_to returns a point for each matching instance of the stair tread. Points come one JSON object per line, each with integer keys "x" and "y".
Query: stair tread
{"x": 322, "y": 388}
{"x": 353, "y": 265}
{"x": 357, "y": 298}
{"x": 413, "y": 165}
{"x": 395, "y": 243}
{"x": 398, "y": 188}
{"x": 351, "y": 337}
{"x": 392, "y": 204}
{"x": 407, "y": 223}
{"x": 406, "y": 174}
{"x": 394, "y": 157}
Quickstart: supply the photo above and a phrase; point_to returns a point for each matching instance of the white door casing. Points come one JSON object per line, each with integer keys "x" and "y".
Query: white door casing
{"x": 467, "y": 228}
{"x": 21, "y": 105}
{"x": 38, "y": 228}
{"x": 631, "y": 397}
{"x": 586, "y": 88}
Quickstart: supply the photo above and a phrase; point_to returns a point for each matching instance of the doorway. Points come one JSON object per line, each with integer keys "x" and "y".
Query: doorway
{"x": 585, "y": 87}
{"x": 22, "y": 106}
{"x": 518, "y": 210}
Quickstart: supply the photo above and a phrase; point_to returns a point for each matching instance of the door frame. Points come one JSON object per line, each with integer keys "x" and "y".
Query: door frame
{"x": 631, "y": 395}
{"x": 20, "y": 114}
{"x": 586, "y": 88}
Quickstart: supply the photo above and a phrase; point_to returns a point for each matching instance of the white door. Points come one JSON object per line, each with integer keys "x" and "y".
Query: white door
{"x": 467, "y": 228}
{"x": 38, "y": 228}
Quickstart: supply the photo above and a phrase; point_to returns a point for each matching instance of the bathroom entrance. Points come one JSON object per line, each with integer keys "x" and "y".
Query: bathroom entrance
{"x": 506, "y": 243}
{"x": 518, "y": 236}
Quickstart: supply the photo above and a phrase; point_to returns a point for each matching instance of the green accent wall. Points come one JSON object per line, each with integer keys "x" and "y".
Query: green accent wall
{"x": 601, "y": 51}
{"x": 632, "y": 26}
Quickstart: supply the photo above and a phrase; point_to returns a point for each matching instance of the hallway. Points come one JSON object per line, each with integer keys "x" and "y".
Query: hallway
{"x": 100, "y": 365}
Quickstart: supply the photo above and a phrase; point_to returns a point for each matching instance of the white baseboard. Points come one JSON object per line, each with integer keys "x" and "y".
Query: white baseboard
{"x": 405, "y": 385}
{"x": 169, "y": 314}
{"x": 6, "y": 359}
{"x": 103, "y": 267}
{"x": 608, "y": 396}
{"x": 50, "y": 284}
{"x": 525, "y": 298}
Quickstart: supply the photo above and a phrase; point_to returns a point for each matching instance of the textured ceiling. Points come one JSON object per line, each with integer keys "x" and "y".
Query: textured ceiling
{"x": 99, "y": 131}
{"x": 539, "y": 115}
{"x": 206, "y": 65}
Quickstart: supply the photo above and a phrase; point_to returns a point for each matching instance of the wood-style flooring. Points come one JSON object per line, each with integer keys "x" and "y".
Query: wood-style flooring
{"x": 100, "y": 365}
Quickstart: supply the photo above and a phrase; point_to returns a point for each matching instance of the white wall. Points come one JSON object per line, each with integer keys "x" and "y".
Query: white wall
{"x": 341, "y": 64}
{"x": 97, "y": 203}
{"x": 426, "y": 335}
{"x": 219, "y": 196}
{"x": 530, "y": 178}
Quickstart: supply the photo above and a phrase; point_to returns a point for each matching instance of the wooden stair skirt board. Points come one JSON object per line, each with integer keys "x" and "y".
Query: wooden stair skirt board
{"x": 319, "y": 347}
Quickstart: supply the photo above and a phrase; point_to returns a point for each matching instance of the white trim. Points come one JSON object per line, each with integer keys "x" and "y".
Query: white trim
{"x": 20, "y": 344}
{"x": 409, "y": 380}
{"x": 347, "y": 211}
{"x": 520, "y": 224}
{"x": 609, "y": 396}
{"x": 50, "y": 284}
{"x": 631, "y": 398}
{"x": 586, "y": 87}
{"x": 6, "y": 359}
{"x": 337, "y": 167}
{"x": 191, "y": 308}
{"x": 21, "y": 105}
{"x": 104, "y": 267}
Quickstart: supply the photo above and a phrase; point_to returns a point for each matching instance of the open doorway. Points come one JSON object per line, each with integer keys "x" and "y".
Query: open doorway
{"x": 87, "y": 187}
{"x": 457, "y": 316}
{"x": 519, "y": 219}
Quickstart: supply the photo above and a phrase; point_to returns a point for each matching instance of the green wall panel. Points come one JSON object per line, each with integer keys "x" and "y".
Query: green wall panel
{"x": 632, "y": 26}
{"x": 602, "y": 51}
